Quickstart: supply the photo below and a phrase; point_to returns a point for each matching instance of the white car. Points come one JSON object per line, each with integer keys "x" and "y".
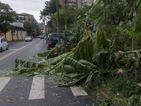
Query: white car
{"x": 28, "y": 38}
{"x": 3, "y": 44}
{"x": 41, "y": 36}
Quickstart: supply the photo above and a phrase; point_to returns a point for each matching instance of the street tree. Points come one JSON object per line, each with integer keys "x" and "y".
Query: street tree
{"x": 50, "y": 8}
{"x": 80, "y": 12}
{"x": 116, "y": 11}
{"x": 30, "y": 27}
{"x": 119, "y": 16}
{"x": 67, "y": 16}
{"x": 6, "y": 17}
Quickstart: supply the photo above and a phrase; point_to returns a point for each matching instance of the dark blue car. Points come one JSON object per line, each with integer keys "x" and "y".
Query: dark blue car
{"x": 53, "y": 39}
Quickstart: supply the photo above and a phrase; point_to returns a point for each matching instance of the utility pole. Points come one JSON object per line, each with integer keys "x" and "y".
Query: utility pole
{"x": 58, "y": 26}
{"x": 81, "y": 3}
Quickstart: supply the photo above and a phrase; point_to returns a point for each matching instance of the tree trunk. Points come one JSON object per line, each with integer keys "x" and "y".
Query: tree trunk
{"x": 113, "y": 18}
{"x": 118, "y": 22}
{"x": 65, "y": 27}
{"x": 132, "y": 44}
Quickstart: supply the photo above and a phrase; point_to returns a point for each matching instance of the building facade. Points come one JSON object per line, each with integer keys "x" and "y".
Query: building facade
{"x": 28, "y": 17}
{"x": 42, "y": 27}
{"x": 81, "y": 3}
{"x": 69, "y": 2}
{"x": 17, "y": 33}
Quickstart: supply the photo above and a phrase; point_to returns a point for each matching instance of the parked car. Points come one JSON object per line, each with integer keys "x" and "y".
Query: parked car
{"x": 28, "y": 38}
{"x": 41, "y": 36}
{"x": 3, "y": 44}
{"x": 38, "y": 36}
{"x": 53, "y": 39}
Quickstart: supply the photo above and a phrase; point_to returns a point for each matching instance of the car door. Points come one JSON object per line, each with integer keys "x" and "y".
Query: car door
{"x": 5, "y": 44}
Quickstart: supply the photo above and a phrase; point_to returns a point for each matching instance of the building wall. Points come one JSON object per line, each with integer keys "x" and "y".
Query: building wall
{"x": 81, "y": 3}
{"x": 17, "y": 35}
{"x": 61, "y": 2}
{"x": 69, "y": 2}
{"x": 9, "y": 36}
{"x": 31, "y": 19}
{"x": 20, "y": 35}
{"x": 24, "y": 34}
{"x": 2, "y": 35}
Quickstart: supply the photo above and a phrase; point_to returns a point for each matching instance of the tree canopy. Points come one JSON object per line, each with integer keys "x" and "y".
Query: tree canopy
{"x": 50, "y": 8}
{"x": 29, "y": 26}
{"x": 6, "y": 17}
{"x": 66, "y": 16}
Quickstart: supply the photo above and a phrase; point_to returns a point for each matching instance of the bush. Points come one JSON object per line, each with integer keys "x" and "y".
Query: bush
{"x": 125, "y": 83}
{"x": 54, "y": 30}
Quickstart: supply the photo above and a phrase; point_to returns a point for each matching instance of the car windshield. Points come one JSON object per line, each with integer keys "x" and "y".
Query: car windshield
{"x": 28, "y": 37}
{"x": 53, "y": 37}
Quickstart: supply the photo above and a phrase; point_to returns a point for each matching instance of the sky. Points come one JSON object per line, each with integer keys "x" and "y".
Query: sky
{"x": 27, "y": 6}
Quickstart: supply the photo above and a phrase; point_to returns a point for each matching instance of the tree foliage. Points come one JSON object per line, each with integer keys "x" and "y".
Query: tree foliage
{"x": 66, "y": 16}
{"x": 50, "y": 8}
{"x": 81, "y": 12}
{"x": 6, "y": 17}
{"x": 29, "y": 26}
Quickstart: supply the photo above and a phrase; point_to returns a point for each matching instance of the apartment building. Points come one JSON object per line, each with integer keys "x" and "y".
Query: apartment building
{"x": 28, "y": 17}
{"x": 42, "y": 27}
{"x": 81, "y": 3}
{"x": 69, "y": 2}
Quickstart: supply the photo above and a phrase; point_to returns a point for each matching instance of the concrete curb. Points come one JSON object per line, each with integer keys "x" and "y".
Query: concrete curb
{"x": 10, "y": 43}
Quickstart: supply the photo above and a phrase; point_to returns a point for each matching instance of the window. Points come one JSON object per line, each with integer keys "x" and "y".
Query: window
{"x": 1, "y": 40}
{"x": 71, "y": 4}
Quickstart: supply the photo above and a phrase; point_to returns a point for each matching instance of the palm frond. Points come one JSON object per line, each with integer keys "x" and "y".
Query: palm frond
{"x": 53, "y": 52}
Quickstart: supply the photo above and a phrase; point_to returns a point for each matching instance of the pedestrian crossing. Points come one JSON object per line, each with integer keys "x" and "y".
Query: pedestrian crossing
{"x": 78, "y": 91}
{"x": 37, "y": 87}
{"x": 3, "y": 82}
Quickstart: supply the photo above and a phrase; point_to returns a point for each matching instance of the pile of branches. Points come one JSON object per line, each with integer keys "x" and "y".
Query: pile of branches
{"x": 92, "y": 61}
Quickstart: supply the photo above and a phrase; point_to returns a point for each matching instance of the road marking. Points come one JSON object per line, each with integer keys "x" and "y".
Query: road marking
{"x": 13, "y": 52}
{"x": 78, "y": 91}
{"x": 37, "y": 88}
{"x": 3, "y": 82}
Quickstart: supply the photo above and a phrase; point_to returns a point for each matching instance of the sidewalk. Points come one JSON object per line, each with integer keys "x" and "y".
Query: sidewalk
{"x": 12, "y": 42}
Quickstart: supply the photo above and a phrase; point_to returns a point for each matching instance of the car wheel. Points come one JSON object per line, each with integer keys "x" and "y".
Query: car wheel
{"x": 7, "y": 47}
{"x": 1, "y": 49}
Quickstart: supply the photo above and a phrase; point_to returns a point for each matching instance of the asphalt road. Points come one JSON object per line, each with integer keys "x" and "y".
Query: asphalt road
{"x": 22, "y": 50}
{"x": 21, "y": 91}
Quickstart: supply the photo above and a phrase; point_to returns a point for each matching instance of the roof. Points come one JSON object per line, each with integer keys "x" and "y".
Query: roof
{"x": 17, "y": 24}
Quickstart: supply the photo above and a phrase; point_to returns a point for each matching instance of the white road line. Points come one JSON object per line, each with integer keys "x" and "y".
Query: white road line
{"x": 37, "y": 89}
{"x": 78, "y": 91}
{"x": 3, "y": 82}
